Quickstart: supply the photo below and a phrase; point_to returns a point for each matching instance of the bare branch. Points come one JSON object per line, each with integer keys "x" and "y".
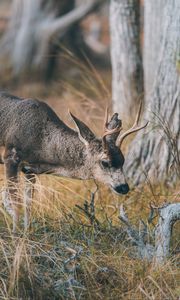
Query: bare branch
{"x": 135, "y": 235}
{"x": 151, "y": 214}
{"x": 168, "y": 215}
{"x": 143, "y": 230}
{"x": 89, "y": 209}
{"x": 64, "y": 22}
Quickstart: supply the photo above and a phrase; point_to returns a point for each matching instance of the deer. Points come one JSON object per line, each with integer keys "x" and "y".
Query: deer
{"x": 34, "y": 140}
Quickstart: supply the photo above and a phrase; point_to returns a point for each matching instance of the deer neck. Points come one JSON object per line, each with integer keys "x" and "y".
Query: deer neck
{"x": 70, "y": 155}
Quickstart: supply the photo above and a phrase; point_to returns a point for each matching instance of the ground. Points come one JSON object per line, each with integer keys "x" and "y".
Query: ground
{"x": 65, "y": 256}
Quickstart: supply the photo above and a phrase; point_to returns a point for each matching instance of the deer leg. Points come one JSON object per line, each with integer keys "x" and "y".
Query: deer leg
{"x": 10, "y": 195}
{"x": 28, "y": 195}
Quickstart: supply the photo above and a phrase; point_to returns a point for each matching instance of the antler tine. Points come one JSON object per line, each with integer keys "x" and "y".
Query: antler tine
{"x": 134, "y": 128}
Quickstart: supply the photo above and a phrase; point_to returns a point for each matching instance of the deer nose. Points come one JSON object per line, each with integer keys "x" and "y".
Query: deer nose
{"x": 122, "y": 188}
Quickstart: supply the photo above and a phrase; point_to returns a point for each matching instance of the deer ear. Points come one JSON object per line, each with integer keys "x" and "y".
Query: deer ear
{"x": 84, "y": 133}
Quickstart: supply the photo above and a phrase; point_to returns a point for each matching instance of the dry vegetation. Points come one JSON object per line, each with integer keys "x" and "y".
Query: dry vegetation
{"x": 67, "y": 254}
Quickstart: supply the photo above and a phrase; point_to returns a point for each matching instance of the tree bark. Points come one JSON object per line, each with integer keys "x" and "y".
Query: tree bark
{"x": 154, "y": 20}
{"x": 155, "y": 155}
{"x": 127, "y": 70}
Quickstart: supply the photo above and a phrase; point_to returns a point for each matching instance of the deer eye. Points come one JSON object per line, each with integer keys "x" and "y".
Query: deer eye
{"x": 105, "y": 164}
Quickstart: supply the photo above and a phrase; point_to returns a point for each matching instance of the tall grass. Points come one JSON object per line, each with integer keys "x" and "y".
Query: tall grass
{"x": 67, "y": 255}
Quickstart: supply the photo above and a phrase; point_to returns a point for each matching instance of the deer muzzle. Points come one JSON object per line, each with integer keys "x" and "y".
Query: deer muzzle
{"x": 121, "y": 189}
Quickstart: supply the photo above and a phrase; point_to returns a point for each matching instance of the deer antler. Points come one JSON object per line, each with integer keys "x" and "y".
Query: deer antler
{"x": 134, "y": 128}
{"x": 108, "y": 131}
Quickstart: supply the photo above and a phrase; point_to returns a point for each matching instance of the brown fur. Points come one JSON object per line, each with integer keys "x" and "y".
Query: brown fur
{"x": 34, "y": 140}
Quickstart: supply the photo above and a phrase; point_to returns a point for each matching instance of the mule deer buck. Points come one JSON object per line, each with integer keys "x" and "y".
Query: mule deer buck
{"x": 34, "y": 140}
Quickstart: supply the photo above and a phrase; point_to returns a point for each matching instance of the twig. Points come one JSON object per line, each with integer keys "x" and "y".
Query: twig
{"x": 89, "y": 209}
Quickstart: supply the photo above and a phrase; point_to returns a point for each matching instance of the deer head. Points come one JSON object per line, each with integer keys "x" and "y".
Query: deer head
{"x": 104, "y": 157}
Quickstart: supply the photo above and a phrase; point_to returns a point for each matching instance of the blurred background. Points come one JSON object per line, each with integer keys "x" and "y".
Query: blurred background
{"x": 66, "y": 65}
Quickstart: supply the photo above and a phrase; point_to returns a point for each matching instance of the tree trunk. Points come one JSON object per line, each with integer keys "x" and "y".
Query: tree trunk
{"x": 127, "y": 70}
{"x": 156, "y": 154}
{"x": 153, "y": 33}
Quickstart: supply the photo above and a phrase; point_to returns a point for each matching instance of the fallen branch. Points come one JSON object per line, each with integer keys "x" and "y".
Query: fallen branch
{"x": 144, "y": 250}
{"x": 168, "y": 215}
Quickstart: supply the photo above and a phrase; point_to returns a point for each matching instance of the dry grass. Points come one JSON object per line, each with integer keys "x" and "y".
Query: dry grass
{"x": 65, "y": 255}
{"x": 34, "y": 265}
